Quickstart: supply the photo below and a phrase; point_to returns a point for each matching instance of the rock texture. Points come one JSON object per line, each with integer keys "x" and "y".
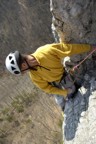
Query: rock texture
{"x": 79, "y": 115}
{"x": 74, "y": 22}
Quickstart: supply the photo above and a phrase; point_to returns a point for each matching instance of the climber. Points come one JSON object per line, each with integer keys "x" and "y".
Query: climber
{"x": 46, "y": 69}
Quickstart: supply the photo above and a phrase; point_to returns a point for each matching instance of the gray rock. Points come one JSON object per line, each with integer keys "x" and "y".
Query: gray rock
{"x": 79, "y": 26}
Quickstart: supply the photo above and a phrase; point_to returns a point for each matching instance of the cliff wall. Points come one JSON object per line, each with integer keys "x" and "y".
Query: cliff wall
{"x": 75, "y": 22}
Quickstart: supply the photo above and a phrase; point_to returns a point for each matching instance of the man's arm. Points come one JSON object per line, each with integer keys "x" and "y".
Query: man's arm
{"x": 48, "y": 88}
{"x": 62, "y": 50}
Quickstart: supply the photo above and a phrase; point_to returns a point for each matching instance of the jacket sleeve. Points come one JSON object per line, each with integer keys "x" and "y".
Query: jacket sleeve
{"x": 48, "y": 88}
{"x": 62, "y": 50}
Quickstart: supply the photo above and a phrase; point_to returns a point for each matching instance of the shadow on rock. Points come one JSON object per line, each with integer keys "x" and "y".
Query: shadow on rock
{"x": 73, "y": 109}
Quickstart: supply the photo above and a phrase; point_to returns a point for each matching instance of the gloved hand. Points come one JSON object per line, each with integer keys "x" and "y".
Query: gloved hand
{"x": 70, "y": 90}
{"x": 70, "y": 94}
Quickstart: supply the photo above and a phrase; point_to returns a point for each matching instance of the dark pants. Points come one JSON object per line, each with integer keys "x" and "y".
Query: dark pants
{"x": 66, "y": 82}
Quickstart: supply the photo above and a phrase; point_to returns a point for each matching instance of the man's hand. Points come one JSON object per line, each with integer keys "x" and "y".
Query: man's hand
{"x": 70, "y": 90}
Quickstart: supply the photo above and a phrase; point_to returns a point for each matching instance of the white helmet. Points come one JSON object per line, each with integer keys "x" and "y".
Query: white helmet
{"x": 12, "y": 62}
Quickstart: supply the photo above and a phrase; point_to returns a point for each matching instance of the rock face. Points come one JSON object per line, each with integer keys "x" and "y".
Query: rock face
{"x": 79, "y": 115}
{"x": 74, "y": 22}
{"x": 23, "y": 26}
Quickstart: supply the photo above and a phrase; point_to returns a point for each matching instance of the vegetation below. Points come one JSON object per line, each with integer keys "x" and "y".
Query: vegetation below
{"x": 33, "y": 117}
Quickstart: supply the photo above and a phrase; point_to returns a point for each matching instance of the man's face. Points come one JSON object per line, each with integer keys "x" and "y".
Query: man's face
{"x": 24, "y": 67}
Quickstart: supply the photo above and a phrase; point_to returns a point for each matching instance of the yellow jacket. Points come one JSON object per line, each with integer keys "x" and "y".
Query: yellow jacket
{"x": 50, "y": 69}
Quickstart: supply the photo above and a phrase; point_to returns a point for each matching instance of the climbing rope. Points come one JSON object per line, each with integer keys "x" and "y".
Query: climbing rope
{"x": 72, "y": 70}
{"x": 75, "y": 67}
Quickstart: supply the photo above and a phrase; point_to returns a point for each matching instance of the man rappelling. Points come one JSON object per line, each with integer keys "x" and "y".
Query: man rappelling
{"x": 46, "y": 69}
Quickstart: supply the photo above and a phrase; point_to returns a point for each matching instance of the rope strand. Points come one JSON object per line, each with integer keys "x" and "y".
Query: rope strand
{"x": 84, "y": 59}
{"x": 71, "y": 71}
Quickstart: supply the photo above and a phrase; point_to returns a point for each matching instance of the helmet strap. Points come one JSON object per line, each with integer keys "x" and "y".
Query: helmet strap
{"x": 29, "y": 67}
